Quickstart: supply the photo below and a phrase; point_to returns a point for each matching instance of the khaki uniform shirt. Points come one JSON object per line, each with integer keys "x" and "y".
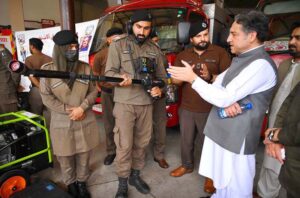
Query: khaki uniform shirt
{"x": 216, "y": 59}
{"x": 100, "y": 64}
{"x": 100, "y": 61}
{"x": 122, "y": 53}
{"x": 70, "y": 137}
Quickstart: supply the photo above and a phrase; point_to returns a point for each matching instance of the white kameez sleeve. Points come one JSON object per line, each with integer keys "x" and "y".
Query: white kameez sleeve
{"x": 257, "y": 77}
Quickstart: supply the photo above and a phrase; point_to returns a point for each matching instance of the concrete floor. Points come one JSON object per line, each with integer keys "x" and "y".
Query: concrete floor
{"x": 103, "y": 181}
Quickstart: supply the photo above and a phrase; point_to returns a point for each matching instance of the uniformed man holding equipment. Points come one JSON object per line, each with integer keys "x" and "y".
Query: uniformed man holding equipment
{"x": 134, "y": 56}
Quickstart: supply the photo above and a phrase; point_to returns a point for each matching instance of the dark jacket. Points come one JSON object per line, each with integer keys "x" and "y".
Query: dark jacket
{"x": 288, "y": 118}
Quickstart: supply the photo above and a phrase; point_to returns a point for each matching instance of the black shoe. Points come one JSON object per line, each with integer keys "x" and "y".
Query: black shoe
{"x": 72, "y": 190}
{"x": 136, "y": 181}
{"x": 109, "y": 159}
{"x": 123, "y": 188}
{"x": 82, "y": 190}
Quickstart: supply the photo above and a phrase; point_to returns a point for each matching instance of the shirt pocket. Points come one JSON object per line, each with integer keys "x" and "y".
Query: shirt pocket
{"x": 127, "y": 64}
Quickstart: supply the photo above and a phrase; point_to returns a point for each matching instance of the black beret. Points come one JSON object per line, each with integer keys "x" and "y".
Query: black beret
{"x": 37, "y": 43}
{"x": 140, "y": 15}
{"x": 65, "y": 37}
{"x": 114, "y": 31}
{"x": 197, "y": 27}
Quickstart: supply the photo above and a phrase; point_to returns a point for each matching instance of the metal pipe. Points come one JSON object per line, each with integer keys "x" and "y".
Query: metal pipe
{"x": 67, "y": 14}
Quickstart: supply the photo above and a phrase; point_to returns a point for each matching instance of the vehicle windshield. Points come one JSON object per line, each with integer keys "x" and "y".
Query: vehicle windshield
{"x": 165, "y": 21}
{"x": 282, "y": 15}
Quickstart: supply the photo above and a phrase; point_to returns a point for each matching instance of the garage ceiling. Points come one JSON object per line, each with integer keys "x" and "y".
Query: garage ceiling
{"x": 240, "y": 3}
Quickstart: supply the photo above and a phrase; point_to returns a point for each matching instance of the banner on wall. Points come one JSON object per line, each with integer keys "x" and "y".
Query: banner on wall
{"x": 86, "y": 32}
{"x": 46, "y": 35}
{"x": 5, "y": 40}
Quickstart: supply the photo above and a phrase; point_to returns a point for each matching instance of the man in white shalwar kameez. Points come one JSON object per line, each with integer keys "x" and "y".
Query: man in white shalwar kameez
{"x": 228, "y": 155}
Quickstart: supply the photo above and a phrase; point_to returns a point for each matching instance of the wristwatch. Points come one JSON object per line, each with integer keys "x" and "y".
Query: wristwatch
{"x": 271, "y": 135}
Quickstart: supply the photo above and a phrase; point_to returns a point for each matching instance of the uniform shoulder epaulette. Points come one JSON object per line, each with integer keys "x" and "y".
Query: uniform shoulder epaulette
{"x": 156, "y": 46}
{"x": 119, "y": 39}
{"x": 47, "y": 66}
{"x": 153, "y": 43}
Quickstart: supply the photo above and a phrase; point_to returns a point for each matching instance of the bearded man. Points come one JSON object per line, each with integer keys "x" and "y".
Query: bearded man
{"x": 209, "y": 61}
{"x": 134, "y": 56}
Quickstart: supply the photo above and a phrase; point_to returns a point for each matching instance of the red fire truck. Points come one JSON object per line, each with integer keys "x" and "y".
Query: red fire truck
{"x": 166, "y": 16}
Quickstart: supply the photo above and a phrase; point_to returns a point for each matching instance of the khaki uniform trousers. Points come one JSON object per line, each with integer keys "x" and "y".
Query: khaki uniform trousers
{"x": 190, "y": 124}
{"x": 74, "y": 168}
{"x": 159, "y": 128}
{"x": 108, "y": 120}
{"x": 132, "y": 134}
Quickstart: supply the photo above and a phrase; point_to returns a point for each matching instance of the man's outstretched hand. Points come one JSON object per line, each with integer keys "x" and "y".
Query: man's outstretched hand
{"x": 185, "y": 73}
